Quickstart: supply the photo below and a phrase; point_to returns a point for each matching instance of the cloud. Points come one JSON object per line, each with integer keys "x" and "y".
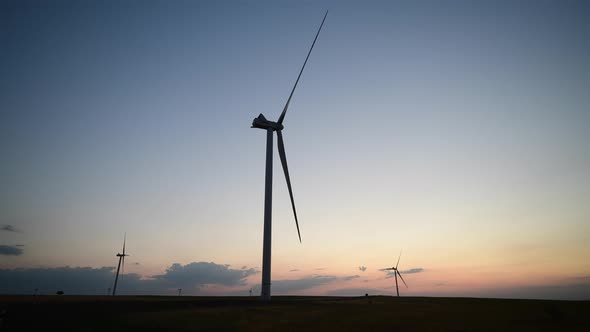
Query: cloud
{"x": 11, "y": 250}
{"x": 391, "y": 273}
{"x": 197, "y": 274}
{"x": 350, "y": 277}
{"x": 363, "y": 268}
{"x": 9, "y": 228}
{"x": 294, "y": 270}
{"x": 414, "y": 270}
{"x": 288, "y": 286}
{"x": 93, "y": 281}
{"x": 76, "y": 280}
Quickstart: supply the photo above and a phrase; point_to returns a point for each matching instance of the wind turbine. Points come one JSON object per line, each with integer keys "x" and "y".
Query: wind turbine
{"x": 262, "y": 123}
{"x": 121, "y": 262}
{"x": 396, "y": 273}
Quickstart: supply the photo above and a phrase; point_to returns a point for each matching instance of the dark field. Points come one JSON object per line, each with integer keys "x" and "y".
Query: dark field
{"x": 285, "y": 313}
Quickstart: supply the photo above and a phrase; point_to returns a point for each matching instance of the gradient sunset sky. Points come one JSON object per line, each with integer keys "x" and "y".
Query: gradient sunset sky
{"x": 456, "y": 131}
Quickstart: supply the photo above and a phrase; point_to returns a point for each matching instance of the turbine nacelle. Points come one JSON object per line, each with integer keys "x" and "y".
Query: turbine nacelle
{"x": 262, "y": 123}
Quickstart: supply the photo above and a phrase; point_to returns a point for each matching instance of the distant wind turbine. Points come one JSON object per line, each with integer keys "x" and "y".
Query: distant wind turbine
{"x": 262, "y": 123}
{"x": 396, "y": 273}
{"x": 121, "y": 262}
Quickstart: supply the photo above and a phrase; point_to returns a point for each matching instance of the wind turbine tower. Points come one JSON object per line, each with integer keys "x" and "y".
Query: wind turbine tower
{"x": 262, "y": 123}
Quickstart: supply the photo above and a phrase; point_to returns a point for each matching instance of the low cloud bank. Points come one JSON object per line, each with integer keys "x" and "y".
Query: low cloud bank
{"x": 94, "y": 281}
{"x": 391, "y": 273}
{"x": 291, "y": 286}
{"x": 11, "y": 250}
{"x": 414, "y": 270}
{"x": 71, "y": 280}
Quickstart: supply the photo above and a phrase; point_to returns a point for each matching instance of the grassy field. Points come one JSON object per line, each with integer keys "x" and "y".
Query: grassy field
{"x": 285, "y": 313}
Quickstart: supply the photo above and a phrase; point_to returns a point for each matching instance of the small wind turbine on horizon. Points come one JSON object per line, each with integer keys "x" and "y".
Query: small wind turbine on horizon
{"x": 396, "y": 273}
{"x": 121, "y": 262}
{"x": 262, "y": 123}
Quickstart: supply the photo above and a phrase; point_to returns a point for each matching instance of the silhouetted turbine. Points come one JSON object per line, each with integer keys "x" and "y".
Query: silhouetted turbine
{"x": 396, "y": 273}
{"x": 121, "y": 262}
{"x": 262, "y": 123}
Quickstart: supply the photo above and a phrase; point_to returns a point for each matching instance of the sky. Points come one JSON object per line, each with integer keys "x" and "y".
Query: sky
{"x": 454, "y": 131}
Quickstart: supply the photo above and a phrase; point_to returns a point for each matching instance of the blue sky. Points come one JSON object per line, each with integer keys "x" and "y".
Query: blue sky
{"x": 455, "y": 130}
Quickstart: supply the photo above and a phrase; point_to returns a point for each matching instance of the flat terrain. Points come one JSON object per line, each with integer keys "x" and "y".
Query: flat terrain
{"x": 286, "y": 313}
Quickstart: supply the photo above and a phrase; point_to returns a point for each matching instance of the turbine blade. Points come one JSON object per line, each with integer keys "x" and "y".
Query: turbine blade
{"x": 400, "y": 256}
{"x": 282, "y": 117}
{"x": 387, "y": 269}
{"x": 281, "y": 147}
{"x": 400, "y": 275}
{"x": 124, "y": 239}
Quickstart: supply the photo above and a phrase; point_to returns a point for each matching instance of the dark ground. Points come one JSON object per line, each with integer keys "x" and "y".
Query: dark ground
{"x": 286, "y": 313}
